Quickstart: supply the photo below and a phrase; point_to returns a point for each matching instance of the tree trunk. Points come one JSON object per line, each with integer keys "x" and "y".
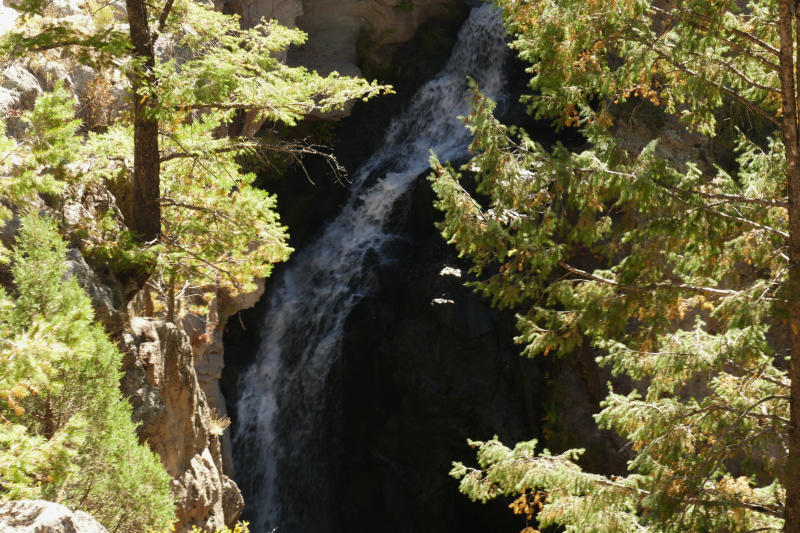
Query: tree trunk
{"x": 49, "y": 427}
{"x": 790, "y": 139}
{"x": 171, "y": 300}
{"x": 145, "y": 212}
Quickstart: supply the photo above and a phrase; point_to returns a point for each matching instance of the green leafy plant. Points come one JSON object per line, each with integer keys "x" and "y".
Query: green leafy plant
{"x": 192, "y": 211}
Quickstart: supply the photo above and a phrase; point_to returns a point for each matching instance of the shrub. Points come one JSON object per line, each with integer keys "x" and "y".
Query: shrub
{"x": 66, "y": 433}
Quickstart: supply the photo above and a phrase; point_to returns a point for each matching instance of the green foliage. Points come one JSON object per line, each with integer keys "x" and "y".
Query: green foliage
{"x": 676, "y": 273}
{"x": 65, "y": 430}
{"x": 406, "y": 6}
{"x": 37, "y": 164}
{"x": 217, "y": 228}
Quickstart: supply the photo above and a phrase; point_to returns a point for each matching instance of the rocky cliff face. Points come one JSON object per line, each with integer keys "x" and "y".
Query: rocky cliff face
{"x": 169, "y": 376}
{"x": 176, "y": 420}
{"x": 342, "y": 34}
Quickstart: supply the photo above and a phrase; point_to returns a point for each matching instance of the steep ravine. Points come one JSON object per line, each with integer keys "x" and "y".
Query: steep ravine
{"x": 425, "y": 363}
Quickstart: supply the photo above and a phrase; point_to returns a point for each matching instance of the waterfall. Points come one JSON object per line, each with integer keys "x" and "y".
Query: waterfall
{"x": 285, "y": 439}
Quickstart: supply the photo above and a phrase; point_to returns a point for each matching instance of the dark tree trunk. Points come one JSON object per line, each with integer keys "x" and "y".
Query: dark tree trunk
{"x": 790, "y": 139}
{"x": 146, "y": 212}
{"x": 49, "y": 426}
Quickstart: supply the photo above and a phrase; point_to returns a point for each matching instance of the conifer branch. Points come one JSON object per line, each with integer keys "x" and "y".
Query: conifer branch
{"x": 208, "y": 263}
{"x": 730, "y": 92}
{"x": 756, "y": 225}
{"x": 218, "y": 151}
{"x": 744, "y": 77}
{"x": 739, "y": 33}
{"x": 731, "y": 198}
{"x": 691, "y": 288}
{"x": 728, "y": 430}
{"x": 743, "y": 199}
{"x": 768, "y": 379}
{"x": 736, "y": 46}
{"x": 757, "y": 416}
{"x": 730, "y": 66}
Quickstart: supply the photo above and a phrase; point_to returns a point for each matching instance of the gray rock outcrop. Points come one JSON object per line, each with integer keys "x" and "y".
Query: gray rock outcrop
{"x": 105, "y": 299}
{"x": 177, "y": 423}
{"x": 7, "y": 100}
{"x": 205, "y": 335}
{"x": 38, "y": 516}
{"x": 339, "y": 31}
{"x": 50, "y": 72}
{"x": 23, "y": 86}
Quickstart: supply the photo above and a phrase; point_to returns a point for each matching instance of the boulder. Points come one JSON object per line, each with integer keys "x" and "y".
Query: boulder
{"x": 8, "y": 101}
{"x": 38, "y": 516}
{"x": 81, "y": 75}
{"x": 232, "y": 501}
{"x": 22, "y": 84}
{"x": 50, "y": 72}
{"x": 7, "y": 18}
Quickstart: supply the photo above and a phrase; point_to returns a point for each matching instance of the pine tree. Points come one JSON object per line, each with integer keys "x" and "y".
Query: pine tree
{"x": 674, "y": 272}
{"x": 195, "y": 218}
{"x": 65, "y": 431}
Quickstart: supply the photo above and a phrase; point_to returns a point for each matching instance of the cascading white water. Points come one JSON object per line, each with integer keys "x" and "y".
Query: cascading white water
{"x": 283, "y": 443}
